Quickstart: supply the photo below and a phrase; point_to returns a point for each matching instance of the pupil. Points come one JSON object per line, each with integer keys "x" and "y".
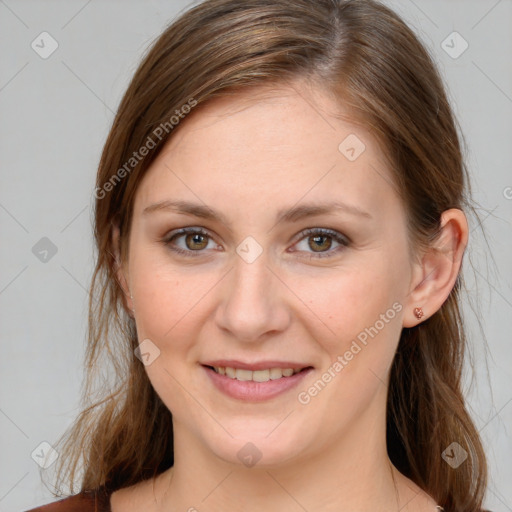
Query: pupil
{"x": 316, "y": 239}
{"x": 196, "y": 239}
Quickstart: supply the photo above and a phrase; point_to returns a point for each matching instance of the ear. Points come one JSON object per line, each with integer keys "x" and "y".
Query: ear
{"x": 120, "y": 271}
{"x": 434, "y": 278}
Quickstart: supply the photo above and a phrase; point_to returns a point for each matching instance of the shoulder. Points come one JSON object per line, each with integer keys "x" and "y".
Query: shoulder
{"x": 87, "y": 501}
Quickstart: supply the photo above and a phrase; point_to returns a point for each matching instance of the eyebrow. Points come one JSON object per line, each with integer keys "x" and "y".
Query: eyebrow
{"x": 293, "y": 214}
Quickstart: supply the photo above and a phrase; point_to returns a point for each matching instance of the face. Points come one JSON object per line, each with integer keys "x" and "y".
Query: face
{"x": 267, "y": 236}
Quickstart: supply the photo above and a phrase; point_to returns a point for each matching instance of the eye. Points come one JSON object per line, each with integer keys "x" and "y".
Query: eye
{"x": 194, "y": 239}
{"x": 320, "y": 241}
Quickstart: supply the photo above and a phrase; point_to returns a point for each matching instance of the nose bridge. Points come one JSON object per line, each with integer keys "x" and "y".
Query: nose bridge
{"x": 251, "y": 280}
{"x": 251, "y": 304}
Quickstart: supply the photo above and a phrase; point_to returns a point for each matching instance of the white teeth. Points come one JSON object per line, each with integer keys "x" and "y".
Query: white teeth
{"x": 261, "y": 375}
{"x": 243, "y": 374}
{"x": 276, "y": 373}
{"x": 257, "y": 375}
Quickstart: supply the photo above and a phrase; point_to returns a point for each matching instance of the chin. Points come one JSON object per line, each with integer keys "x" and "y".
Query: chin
{"x": 262, "y": 445}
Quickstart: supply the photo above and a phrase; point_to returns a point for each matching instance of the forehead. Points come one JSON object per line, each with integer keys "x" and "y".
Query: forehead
{"x": 247, "y": 152}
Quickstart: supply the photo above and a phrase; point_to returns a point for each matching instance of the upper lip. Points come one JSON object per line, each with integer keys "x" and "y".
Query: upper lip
{"x": 257, "y": 365}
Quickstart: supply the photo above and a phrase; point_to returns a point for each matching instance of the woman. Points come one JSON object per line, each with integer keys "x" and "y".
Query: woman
{"x": 280, "y": 228}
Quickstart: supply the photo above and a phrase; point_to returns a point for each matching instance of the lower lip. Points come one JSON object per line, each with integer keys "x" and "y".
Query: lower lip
{"x": 254, "y": 391}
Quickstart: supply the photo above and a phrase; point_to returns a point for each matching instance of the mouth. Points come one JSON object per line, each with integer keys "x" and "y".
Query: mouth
{"x": 265, "y": 375}
{"x": 256, "y": 382}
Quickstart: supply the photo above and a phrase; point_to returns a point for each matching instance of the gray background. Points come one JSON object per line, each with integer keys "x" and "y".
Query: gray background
{"x": 55, "y": 115}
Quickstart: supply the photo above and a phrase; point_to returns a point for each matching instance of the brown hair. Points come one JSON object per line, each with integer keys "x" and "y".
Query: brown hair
{"x": 365, "y": 55}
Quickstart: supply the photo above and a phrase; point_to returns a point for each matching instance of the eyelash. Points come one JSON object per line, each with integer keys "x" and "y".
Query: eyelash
{"x": 306, "y": 233}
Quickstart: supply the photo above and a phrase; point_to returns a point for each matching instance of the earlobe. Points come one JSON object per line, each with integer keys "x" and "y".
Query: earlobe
{"x": 440, "y": 265}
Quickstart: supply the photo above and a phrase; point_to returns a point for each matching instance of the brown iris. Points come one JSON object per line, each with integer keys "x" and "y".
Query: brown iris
{"x": 195, "y": 239}
{"x": 320, "y": 246}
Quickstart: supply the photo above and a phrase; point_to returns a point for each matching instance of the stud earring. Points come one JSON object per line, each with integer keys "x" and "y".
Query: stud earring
{"x": 418, "y": 312}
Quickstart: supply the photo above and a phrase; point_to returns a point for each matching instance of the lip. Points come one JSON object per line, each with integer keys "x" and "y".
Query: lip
{"x": 250, "y": 391}
{"x": 257, "y": 365}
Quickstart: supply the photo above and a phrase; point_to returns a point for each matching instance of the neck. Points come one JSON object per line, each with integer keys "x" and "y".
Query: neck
{"x": 354, "y": 475}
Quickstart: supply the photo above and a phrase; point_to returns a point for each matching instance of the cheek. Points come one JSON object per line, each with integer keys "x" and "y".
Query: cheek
{"x": 157, "y": 306}
{"x": 171, "y": 309}
{"x": 343, "y": 303}
{"x": 363, "y": 309}
{"x": 170, "y": 312}
{"x": 165, "y": 298}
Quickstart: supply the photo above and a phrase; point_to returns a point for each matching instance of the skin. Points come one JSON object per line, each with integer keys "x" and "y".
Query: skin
{"x": 248, "y": 156}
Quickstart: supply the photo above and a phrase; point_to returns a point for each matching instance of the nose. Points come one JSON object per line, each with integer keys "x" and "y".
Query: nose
{"x": 253, "y": 303}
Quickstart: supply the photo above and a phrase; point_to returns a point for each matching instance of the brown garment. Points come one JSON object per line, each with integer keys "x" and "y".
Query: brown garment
{"x": 88, "y": 501}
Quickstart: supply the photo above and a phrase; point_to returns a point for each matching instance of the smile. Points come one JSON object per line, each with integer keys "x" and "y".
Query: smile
{"x": 257, "y": 375}
{"x": 255, "y": 385}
